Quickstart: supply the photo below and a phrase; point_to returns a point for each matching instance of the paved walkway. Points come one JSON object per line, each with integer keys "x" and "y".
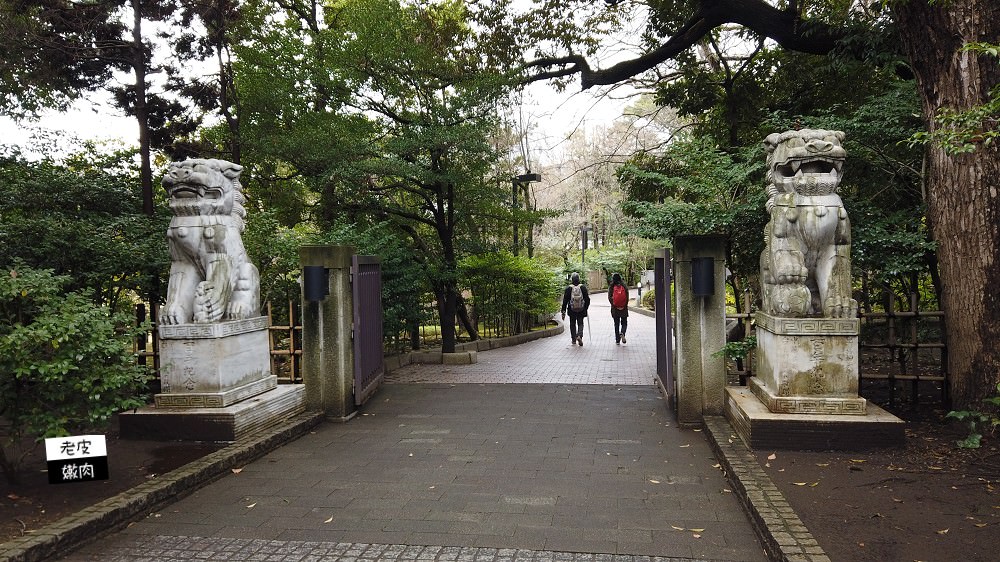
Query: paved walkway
{"x": 556, "y": 360}
{"x": 574, "y": 459}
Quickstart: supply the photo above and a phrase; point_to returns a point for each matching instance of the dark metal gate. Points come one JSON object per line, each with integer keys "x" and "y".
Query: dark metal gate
{"x": 663, "y": 282}
{"x": 369, "y": 368}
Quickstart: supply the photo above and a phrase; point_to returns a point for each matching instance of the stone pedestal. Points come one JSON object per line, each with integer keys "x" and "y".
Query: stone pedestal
{"x": 229, "y": 423}
{"x": 214, "y": 365}
{"x": 217, "y": 385}
{"x": 808, "y": 365}
{"x": 805, "y": 394}
{"x": 763, "y": 429}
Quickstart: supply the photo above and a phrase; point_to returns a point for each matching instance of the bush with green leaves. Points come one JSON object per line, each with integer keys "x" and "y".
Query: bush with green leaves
{"x": 66, "y": 365}
{"x": 649, "y": 299}
{"x": 504, "y": 285}
{"x": 979, "y": 421}
{"x": 83, "y": 218}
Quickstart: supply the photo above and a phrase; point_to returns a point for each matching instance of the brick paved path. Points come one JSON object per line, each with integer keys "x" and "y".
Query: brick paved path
{"x": 555, "y": 360}
{"x": 465, "y": 469}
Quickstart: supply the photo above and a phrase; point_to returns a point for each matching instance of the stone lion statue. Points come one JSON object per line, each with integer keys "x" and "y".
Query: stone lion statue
{"x": 211, "y": 278}
{"x": 806, "y": 264}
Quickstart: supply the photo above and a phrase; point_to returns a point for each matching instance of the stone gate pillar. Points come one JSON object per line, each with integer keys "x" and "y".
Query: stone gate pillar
{"x": 327, "y": 316}
{"x": 700, "y": 263}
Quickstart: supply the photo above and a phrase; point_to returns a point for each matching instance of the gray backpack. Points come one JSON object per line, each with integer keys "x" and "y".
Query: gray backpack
{"x": 576, "y": 299}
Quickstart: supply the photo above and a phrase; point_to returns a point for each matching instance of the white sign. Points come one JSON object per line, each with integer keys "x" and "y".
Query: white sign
{"x": 75, "y": 447}
{"x": 77, "y": 458}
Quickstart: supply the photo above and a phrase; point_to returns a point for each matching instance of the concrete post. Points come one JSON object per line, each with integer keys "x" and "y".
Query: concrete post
{"x": 701, "y": 330}
{"x": 327, "y": 346}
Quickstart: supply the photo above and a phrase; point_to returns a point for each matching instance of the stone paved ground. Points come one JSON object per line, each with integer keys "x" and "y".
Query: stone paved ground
{"x": 555, "y": 360}
{"x": 574, "y": 458}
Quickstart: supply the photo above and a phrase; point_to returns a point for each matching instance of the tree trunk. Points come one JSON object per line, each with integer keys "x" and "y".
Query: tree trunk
{"x": 137, "y": 54}
{"x": 963, "y": 204}
{"x": 463, "y": 316}
{"x": 446, "y": 312}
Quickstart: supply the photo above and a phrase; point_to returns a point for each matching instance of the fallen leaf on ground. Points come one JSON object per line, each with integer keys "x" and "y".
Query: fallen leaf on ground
{"x": 697, "y": 530}
{"x": 814, "y": 484}
{"x": 688, "y": 445}
{"x": 858, "y": 460}
{"x": 943, "y": 531}
{"x": 237, "y": 470}
{"x": 771, "y": 457}
{"x": 799, "y": 483}
{"x": 823, "y": 464}
{"x": 677, "y": 528}
{"x": 655, "y": 481}
{"x": 251, "y": 505}
{"x": 981, "y": 525}
{"x": 935, "y": 468}
{"x": 696, "y": 535}
{"x": 328, "y": 520}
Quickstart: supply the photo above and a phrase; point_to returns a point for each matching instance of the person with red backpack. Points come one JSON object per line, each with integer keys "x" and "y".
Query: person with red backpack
{"x": 618, "y": 297}
{"x": 576, "y": 301}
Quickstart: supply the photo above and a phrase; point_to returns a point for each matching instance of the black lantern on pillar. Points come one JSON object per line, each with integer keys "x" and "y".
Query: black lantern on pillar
{"x": 703, "y": 277}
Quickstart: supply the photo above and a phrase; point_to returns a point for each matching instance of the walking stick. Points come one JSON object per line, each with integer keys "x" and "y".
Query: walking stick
{"x": 590, "y": 336}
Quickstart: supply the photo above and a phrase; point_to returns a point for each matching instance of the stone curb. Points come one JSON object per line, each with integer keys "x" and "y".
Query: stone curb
{"x": 116, "y": 512}
{"x": 642, "y": 311}
{"x": 435, "y": 356}
{"x": 785, "y": 537}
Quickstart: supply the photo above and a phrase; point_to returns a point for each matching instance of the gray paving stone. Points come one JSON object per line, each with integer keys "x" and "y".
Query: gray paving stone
{"x": 424, "y": 471}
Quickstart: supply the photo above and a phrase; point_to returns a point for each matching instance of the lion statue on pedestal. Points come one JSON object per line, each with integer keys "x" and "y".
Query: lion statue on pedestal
{"x": 211, "y": 278}
{"x": 806, "y": 264}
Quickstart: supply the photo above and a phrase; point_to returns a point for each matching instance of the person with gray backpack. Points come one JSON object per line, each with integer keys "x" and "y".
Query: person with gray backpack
{"x": 576, "y": 301}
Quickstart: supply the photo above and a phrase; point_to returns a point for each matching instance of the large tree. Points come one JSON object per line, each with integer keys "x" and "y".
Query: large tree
{"x": 380, "y": 112}
{"x": 963, "y": 188}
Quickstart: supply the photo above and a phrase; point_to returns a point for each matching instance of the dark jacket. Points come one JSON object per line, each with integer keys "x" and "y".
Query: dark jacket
{"x": 568, "y": 293}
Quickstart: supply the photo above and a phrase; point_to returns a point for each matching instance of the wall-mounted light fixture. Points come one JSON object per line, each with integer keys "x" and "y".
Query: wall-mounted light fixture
{"x": 315, "y": 282}
{"x": 703, "y": 277}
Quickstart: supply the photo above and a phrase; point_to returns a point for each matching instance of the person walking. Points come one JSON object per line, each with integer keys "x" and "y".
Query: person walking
{"x": 576, "y": 301}
{"x": 618, "y": 297}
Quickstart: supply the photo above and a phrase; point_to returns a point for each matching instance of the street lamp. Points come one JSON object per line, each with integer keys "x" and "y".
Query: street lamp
{"x": 520, "y": 183}
{"x": 583, "y": 239}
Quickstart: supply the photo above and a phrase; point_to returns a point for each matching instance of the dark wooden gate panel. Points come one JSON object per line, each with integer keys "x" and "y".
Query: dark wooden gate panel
{"x": 663, "y": 281}
{"x": 369, "y": 368}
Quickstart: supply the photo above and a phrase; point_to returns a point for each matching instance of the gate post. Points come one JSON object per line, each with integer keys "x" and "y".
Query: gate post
{"x": 701, "y": 326}
{"x": 327, "y": 316}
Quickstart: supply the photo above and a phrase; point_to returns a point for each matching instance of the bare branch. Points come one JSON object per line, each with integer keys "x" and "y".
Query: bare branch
{"x": 781, "y": 26}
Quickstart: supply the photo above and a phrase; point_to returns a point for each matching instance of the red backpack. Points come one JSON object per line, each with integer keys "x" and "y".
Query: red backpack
{"x": 619, "y": 297}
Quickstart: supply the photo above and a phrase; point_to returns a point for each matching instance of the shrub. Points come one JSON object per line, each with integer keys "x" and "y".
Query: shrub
{"x": 504, "y": 285}
{"x": 66, "y": 365}
{"x": 648, "y": 299}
